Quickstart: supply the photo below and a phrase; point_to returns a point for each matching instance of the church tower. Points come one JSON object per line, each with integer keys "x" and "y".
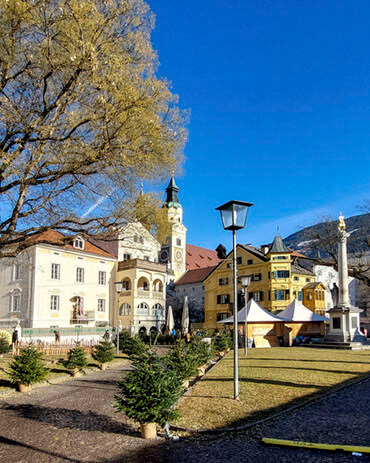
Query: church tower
{"x": 174, "y": 252}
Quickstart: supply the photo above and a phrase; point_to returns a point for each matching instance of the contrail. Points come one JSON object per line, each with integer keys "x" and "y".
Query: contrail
{"x": 94, "y": 206}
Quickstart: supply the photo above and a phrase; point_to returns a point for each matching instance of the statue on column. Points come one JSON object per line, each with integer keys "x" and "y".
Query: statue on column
{"x": 334, "y": 291}
{"x": 341, "y": 224}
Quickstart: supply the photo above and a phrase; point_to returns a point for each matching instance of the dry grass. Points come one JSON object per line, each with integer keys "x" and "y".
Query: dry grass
{"x": 56, "y": 370}
{"x": 270, "y": 380}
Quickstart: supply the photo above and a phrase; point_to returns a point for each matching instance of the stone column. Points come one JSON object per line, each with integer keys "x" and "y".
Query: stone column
{"x": 343, "y": 299}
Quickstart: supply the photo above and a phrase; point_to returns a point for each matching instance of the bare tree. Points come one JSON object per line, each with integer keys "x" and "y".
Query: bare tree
{"x": 323, "y": 242}
{"x": 82, "y": 116}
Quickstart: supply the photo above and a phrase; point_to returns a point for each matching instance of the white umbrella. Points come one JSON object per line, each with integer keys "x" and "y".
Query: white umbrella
{"x": 170, "y": 320}
{"x": 185, "y": 316}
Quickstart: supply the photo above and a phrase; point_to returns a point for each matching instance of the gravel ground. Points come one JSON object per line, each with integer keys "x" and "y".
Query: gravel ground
{"x": 75, "y": 422}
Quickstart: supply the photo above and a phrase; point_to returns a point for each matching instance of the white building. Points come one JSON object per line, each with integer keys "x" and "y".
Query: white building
{"x": 64, "y": 287}
{"x": 329, "y": 276}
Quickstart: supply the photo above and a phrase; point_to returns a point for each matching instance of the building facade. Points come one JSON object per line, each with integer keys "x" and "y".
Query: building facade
{"x": 142, "y": 301}
{"x": 277, "y": 279}
{"x": 52, "y": 287}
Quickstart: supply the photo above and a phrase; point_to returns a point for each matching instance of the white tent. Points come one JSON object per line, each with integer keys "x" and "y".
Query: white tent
{"x": 297, "y": 312}
{"x": 185, "y": 316}
{"x": 255, "y": 314}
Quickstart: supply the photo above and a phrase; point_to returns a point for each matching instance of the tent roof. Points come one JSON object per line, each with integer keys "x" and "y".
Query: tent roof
{"x": 297, "y": 312}
{"x": 255, "y": 313}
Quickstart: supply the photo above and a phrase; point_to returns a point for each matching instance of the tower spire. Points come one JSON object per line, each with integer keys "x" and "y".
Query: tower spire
{"x": 172, "y": 191}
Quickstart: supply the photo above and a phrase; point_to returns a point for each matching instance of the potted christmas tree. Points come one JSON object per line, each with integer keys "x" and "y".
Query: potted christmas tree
{"x": 27, "y": 368}
{"x": 103, "y": 353}
{"x": 148, "y": 393}
{"x": 76, "y": 360}
{"x": 181, "y": 360}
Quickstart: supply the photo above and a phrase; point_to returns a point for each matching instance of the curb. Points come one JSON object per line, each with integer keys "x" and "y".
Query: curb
{"x": 246, "y": 426}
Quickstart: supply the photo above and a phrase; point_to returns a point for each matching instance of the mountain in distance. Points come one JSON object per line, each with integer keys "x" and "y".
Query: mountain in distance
{"x": 358, "y": 227}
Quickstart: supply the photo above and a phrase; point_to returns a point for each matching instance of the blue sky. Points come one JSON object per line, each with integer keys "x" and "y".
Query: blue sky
{"x": 280, "y": 109}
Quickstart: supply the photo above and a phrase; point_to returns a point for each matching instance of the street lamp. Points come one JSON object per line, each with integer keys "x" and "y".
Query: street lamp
{"x": 246, "y": 281}
{"x": 119, "y": 286}
{"x": 233, "y": 216}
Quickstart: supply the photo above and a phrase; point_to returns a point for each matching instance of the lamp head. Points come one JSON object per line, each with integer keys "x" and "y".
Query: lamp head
{"x": 234, "y": 214}
{"x": 246, "y": 280}
{"x": 118, "y": 285}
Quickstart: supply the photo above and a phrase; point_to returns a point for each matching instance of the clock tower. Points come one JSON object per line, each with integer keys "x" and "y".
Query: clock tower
{"x": 174, "y": 252}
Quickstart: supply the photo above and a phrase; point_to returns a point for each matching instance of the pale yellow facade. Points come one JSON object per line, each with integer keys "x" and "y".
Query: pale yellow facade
{"x": 142, "y": 301}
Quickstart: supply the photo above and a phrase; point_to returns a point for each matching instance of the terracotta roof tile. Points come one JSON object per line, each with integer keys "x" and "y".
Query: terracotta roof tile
{"x": 57, "y": 238}
{"x": 197, "y": 257}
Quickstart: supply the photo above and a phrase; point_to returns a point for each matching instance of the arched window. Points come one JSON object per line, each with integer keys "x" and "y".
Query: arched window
{"x": 126, "y": 284}
{"x": 143, "y": 309}
{"x": 143, "y": 284}
{"x": 142, "y": 331}
{"x": 125, "y": 309}
{"x": 153, "y": 330}
{"x": 158, "y": 286}
{"x": 15, "y": 301}
{"x": 157, "y": 310}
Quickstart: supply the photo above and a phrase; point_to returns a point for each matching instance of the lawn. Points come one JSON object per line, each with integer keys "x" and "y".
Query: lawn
{"x": 56, "y": 370}
{"x": 271, "y": 380}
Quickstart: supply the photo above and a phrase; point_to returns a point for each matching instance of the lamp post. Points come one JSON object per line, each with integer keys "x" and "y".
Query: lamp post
{"x": 233, "y": 217}
{"x": 246, "y": 281}
{"x": 119, "y": 286}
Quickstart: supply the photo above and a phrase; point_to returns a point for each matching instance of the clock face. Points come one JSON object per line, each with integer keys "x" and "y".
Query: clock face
{"x": 164, "y": 256}
{"x": 178, "y": 255}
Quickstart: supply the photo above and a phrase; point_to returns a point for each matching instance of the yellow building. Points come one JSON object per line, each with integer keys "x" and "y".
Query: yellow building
{"x": 143, "y": 298}
{"x": 314, "y": 297}
{"x": 277, "y": 278}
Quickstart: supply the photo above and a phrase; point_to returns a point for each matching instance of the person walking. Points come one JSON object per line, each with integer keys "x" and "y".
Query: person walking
{"x": 15, "y": 337}
{"x": 57, "y": 337}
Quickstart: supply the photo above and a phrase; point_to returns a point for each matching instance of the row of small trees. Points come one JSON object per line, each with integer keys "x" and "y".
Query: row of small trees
{"x": 28, "y": 367}
{"x": 148, "y": 393}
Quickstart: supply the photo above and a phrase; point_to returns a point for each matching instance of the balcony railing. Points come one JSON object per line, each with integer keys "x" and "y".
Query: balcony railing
{"x": 87, "y": 317}
{"x": 158, "y": 294}
{"x": 143, "y": 293}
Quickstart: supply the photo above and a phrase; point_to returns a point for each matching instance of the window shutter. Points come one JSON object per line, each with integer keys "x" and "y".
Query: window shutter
{"x": 218, "y": 299}
{"x": 250, "y": 295}
{"x": 261, "y": 295}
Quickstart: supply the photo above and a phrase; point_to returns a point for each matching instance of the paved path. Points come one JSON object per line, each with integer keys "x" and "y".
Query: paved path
{"x": 75, "y": 422}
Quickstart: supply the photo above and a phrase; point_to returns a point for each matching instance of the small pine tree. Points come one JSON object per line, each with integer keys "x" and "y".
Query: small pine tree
{"x": 200, "y": 350}
{"x": 4, "y": 344}
{"x": 148, "y": 393}
{"x": 103, "y": 352}
{"x": 27, "y": 367}
{"x": 181, "y": 360}
{"x": 222, "y": 342}
{"x": 76, "y": 359}
{"x": 131, "y": 345}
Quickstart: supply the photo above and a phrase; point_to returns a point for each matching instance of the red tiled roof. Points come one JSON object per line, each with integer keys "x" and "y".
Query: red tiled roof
{"x": 298, "y": 254}
{"x": 195, "y": 276}
{"x": 197, "y": 257}
{"x": 57, "y": 238}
